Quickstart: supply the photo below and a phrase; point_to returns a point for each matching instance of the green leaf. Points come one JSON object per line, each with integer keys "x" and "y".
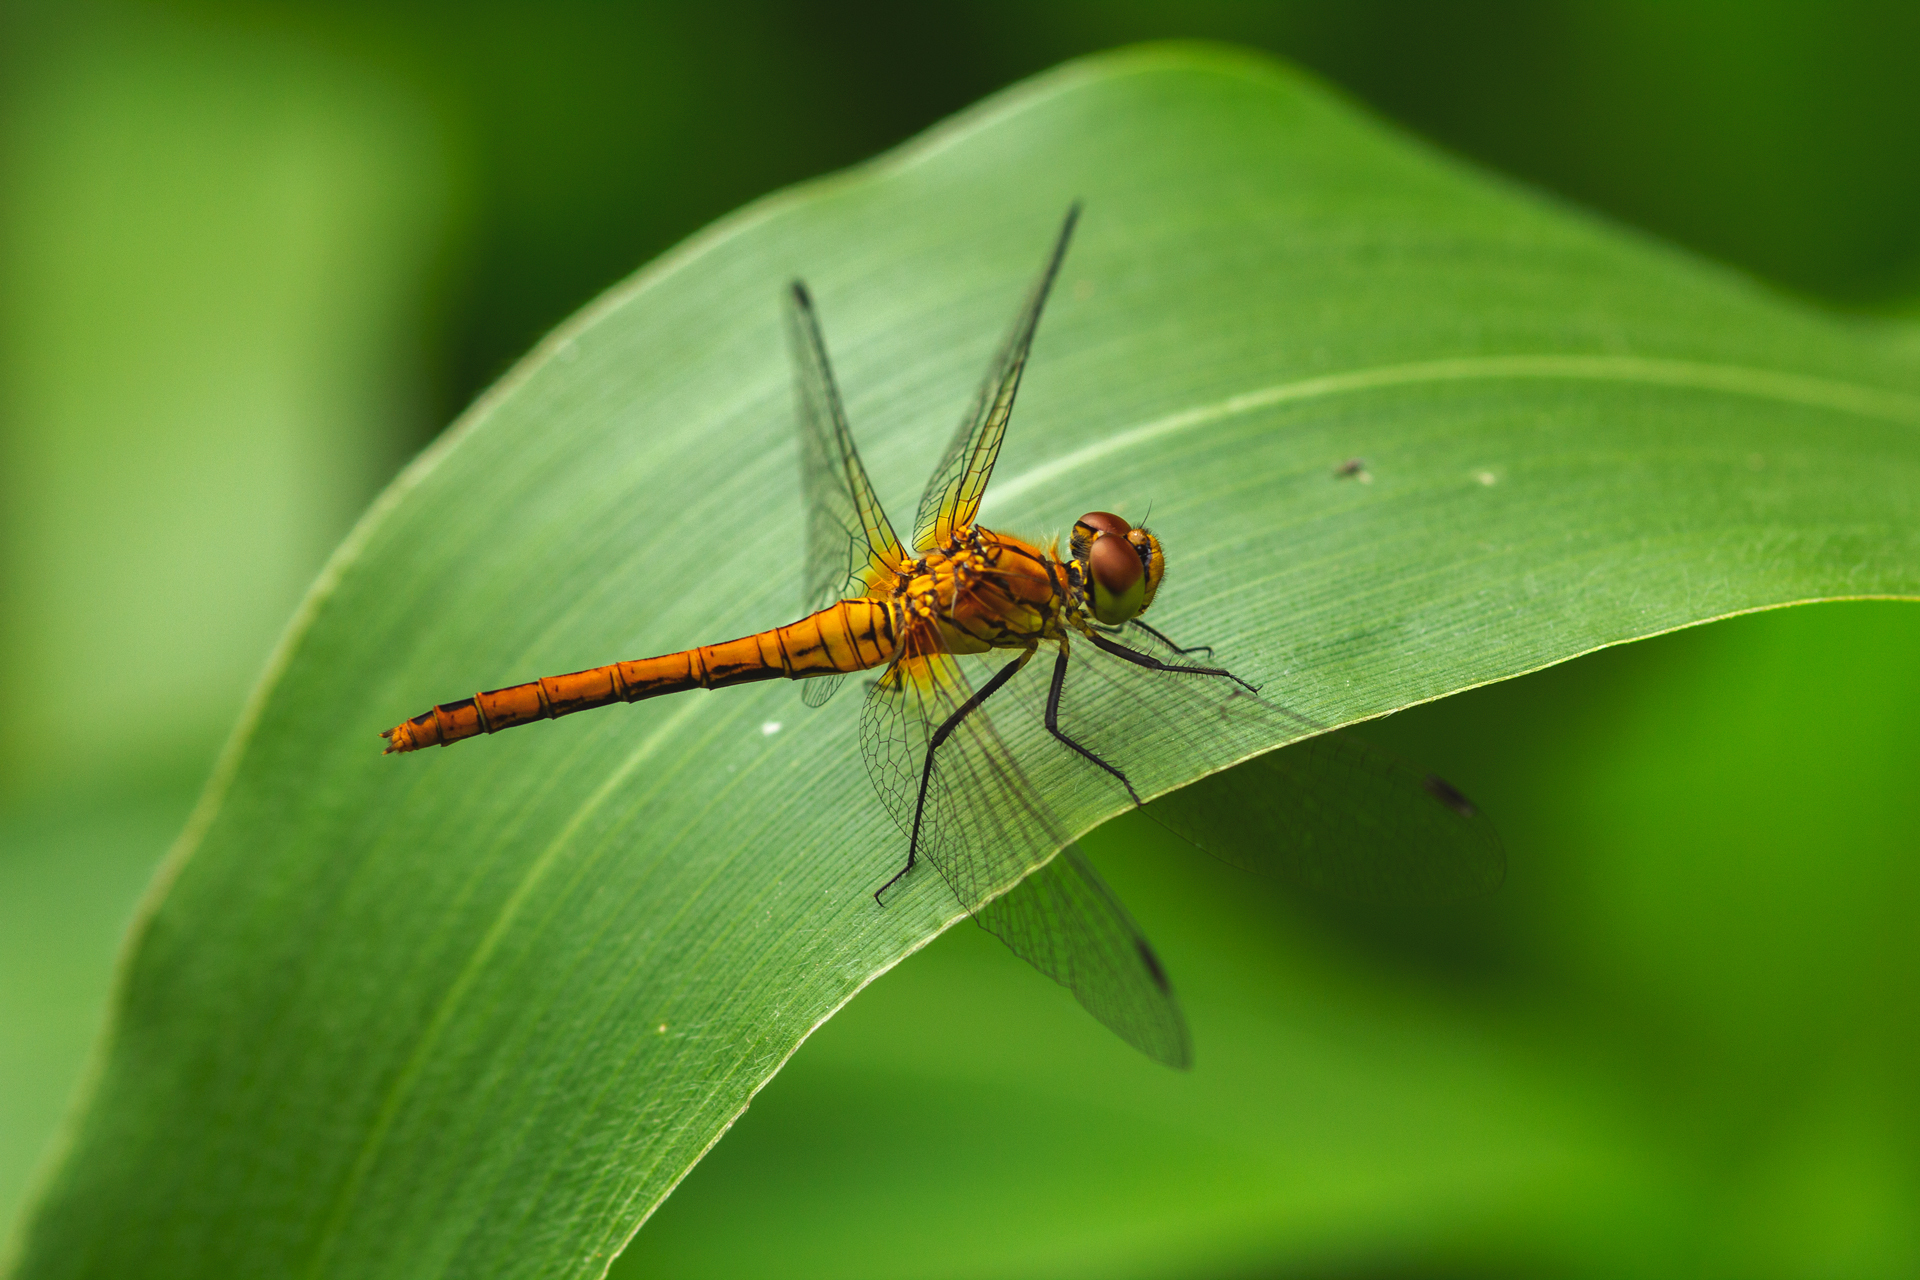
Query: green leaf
{"x": 477, "y": 1012}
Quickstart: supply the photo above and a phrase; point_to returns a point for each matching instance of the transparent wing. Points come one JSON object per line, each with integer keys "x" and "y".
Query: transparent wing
{"x": 1330, "y": 812}
{"x": 986, "y": 830}
{"x": 850, "y": 543}
{"x": 952, "y": 497}
{"x": 1065, "y": 922}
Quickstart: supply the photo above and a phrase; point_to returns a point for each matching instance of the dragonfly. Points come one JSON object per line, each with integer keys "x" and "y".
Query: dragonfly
{"x": 1123, "y": 707}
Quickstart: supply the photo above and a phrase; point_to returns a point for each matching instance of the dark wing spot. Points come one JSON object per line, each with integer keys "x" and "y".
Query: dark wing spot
{"x": 1445, "y": 792}
{"x": 1153, "y": 965}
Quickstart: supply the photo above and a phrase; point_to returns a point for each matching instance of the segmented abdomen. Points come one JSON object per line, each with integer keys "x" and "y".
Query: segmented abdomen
{"x": 852, "y": 635}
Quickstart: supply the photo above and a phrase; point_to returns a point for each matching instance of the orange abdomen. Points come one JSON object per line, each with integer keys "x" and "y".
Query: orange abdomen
{"x": 852, "y": 635}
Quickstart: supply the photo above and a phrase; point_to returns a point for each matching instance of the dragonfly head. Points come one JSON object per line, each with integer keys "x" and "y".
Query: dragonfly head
{"x": 1120, "y": 564}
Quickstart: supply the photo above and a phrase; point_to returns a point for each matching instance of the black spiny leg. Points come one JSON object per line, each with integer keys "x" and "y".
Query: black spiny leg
{"x": 1154, "y": 664}
{"x": 1162, "y": 638}
{"x": 940, "y": 735}
{"x": 1053, "y": 723}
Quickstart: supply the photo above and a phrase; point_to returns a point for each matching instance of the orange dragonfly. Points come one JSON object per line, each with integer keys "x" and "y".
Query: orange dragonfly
{"x": 1124, "y": 707}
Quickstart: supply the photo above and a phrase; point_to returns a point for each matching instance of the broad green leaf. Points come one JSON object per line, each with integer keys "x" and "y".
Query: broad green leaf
{"x": 477, "y": 1012}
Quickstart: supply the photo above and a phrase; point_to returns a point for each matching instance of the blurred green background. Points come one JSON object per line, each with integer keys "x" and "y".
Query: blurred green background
{"x": 253, "y": 256}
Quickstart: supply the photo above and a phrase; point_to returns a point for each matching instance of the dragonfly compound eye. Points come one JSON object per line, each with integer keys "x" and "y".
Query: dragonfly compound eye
{"x": 1119, "y": 579}
{"x": 1106, "y": 522}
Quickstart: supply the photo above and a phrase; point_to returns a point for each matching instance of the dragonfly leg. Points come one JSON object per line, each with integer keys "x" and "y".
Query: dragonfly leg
{"x": 940, "y": 736}
{"x": 1154, "y": 664}
{"x": 1053, "y": 723}
{"x": 1162, "y": 638}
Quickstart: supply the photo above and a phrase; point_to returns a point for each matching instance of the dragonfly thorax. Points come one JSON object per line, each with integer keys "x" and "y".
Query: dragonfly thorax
{"x": 988, "y": 590}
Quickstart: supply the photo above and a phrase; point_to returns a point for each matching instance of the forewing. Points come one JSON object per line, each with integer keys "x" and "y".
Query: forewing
{"x": 850, "y": 543}
{"x": 953, "y": 494}
{"x": 1329, "y": 812}
{"x": 988, "y": 833}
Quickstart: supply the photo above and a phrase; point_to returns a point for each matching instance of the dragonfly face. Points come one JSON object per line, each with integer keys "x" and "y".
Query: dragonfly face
{"x": 1125, "y": 714}
{"x": 1117, "y": 568}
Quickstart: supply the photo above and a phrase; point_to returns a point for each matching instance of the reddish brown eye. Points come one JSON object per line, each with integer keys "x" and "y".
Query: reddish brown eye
{"x": 1115, "y": 564}
{"x": 1106, "y": 522}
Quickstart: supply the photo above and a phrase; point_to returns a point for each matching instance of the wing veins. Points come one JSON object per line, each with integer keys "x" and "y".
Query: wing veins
{"x": 850, "y": 541}
{"x": 953, "y": 494}
{"x": 994, "y": 840}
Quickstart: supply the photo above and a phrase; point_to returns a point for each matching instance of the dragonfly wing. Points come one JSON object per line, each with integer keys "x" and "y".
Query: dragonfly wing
{"x": 1340, "y": 816}
{"x": 982, "y": 824}
{"x": 952, "y": 497}
{"x": 1329, "y": 812}
{"x": 987, "y": 831}
{"x": 850, "y": 544}
{"x": 817, "y": 690}
{"x": 1065, "y": 922}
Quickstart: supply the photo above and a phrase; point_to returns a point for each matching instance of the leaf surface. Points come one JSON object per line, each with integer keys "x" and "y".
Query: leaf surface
{"x": 477, "y": 1012}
